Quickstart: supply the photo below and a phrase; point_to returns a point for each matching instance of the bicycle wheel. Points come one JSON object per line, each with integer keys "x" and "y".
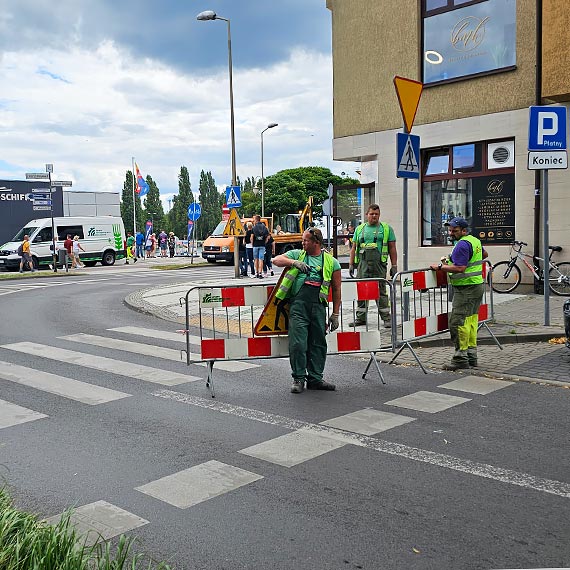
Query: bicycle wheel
{"x": 559, "y": 279}
{"x": 505, "y": 277}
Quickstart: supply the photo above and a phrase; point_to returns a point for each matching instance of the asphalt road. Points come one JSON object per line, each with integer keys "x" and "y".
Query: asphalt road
{"x": 254, "y": 479}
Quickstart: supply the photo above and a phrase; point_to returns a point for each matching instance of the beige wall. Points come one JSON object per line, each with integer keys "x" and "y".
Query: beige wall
{"x": 556, "y": 50}
{"x": 375, "y": 40}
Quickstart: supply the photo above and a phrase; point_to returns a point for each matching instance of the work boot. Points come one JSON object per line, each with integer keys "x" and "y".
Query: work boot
{"x": 456, "y": 366}
{"x": 387, "y": 323}
{"x": 473, "y": 363}
{"x": 298, "y": 386}
{"x": 357, "y": 323}
{"x": 321, "y": 386}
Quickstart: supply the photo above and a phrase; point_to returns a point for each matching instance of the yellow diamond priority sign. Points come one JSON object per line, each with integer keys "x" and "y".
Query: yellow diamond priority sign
{"x": 409, "y": 93}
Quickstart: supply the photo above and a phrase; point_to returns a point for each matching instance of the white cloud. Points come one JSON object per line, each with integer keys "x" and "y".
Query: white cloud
{"x": 89, "y": 112}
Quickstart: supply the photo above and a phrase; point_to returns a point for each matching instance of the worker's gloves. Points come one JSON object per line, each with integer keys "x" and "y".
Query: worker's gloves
{"x": 393, "y": 270}
{"x": 333, "y": 322}
{"x": 351, "y": 271}
{"x": 301, "y": 266}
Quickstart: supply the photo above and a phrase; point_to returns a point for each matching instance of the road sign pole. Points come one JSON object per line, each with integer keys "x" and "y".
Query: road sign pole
{"x": 545, "y": 251}
{"x": 53, "y": 252}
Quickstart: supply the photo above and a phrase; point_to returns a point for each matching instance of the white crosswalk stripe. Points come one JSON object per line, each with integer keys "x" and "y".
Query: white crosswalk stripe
{"x": 128, "y": 369}
{"x": 59, "y": 385}
{"x": 150, "y": 350}
{"x": 12, "y": 414}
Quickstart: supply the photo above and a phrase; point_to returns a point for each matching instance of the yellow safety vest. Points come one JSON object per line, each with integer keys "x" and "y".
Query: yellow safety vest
{"x": 473, "y": 273}
{"x": 359, "y": 233}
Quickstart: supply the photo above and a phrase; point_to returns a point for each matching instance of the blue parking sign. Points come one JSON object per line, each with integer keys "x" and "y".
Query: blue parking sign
{"x": 547, "y": 128}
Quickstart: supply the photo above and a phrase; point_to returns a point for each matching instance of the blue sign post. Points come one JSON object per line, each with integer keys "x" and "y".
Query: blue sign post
{"x": 408, "y": 156}
{"x": 194, "y": 211}
{"x": 233, "y": 196}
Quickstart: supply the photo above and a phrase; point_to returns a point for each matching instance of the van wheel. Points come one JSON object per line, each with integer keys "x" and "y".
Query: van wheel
{"x": 108, "y": 258}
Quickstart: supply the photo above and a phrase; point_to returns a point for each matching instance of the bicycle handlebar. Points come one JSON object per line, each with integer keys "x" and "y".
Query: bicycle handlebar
{"x": 519, "y": 243}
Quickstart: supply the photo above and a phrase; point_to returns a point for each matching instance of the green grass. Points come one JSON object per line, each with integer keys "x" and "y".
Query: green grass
{"x": 27, "y": 543}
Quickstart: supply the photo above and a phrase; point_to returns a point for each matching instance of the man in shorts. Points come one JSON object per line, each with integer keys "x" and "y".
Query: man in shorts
{"x": 259, "y": 239}
{"x": 26, "y": 256}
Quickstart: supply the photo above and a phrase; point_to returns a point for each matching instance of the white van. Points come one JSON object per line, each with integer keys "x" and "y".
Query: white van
{"x": 102, "y": 238}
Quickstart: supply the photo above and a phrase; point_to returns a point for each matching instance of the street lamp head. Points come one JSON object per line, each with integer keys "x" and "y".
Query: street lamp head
{"x": 271, "y": 125}
{"x": 206, "y": 15}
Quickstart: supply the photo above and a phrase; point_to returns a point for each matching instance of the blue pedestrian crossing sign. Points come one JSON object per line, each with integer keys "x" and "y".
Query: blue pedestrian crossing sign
{"x": 408, "y": 156}
{"x": 194, "y": 211}
{"x": 233, "y": 196}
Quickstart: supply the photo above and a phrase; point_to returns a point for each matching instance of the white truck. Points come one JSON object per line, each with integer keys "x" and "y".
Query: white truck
{"x": 102, "y": 238}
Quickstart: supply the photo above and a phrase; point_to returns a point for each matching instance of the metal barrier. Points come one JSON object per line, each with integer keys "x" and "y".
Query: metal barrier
{"x": 425, "y": 299}
{"x": 230, "y": 315}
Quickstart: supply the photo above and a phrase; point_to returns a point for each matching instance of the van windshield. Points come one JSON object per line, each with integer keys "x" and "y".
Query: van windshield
{"x": 219, "y": 231}
{"x": 29, "y": 230}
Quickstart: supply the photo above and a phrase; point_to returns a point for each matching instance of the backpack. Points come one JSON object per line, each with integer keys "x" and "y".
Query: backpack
{"x": 20, "y": 250}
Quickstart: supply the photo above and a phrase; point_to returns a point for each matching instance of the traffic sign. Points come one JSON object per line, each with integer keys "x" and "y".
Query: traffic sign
{"x": 61, "y": 183}
{"x": 233, "y": 196}
{"x": 544, "y": 160}
{"x": 42, "y": 202}
{"x": 45, "y": 190}
{"x": 274, "y": 318}
{"x": 330, "y": 190}
{"x": 43, "y": 196}
{"x": 546, "y": 128}
{"x": 49, "y": 167}
{"x": 194, "y": 211}
{"x": 409, "y": 93}
{"x": 234, "y": 227}
{"x": 408, "y": 156}
{"x": 37, "y": 176}
{"x": 43, "y": 208}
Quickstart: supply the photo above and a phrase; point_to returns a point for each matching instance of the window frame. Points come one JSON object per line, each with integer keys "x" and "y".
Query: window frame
{"x": 449, "y": 8}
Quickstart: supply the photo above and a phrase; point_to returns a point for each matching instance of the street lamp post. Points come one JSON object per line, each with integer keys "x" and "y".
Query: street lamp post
{"x": 211, "y": 15}
{"x": 269, "y": 126}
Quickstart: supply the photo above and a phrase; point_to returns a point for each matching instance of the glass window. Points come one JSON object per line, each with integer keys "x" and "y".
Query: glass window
{"x": 469, "y": 40}
{"x": 43, "y": 235}
{"x": 63, "y": 231}
{"x": 437, "y": 162}
{"x": 467, "y": 157}
{"x": 27, "y": 231}
{"x": 435, "y": 4}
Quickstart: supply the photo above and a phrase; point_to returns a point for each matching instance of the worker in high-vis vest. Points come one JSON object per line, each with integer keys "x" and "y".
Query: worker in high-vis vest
{"x": 372, "y": 244}
{"x": 311, "y": 273}
{"x": 464, "y": 268}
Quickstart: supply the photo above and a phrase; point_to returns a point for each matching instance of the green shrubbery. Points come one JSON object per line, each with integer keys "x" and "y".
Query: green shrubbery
{"x": 27, "y": 543}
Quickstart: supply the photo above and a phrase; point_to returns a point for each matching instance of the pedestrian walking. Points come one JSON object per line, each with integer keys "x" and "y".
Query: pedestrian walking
{"x": 76, "y": 249}
{"x": 148, "y": 246}
{"x": 311, "y": 273}
{"x": 130, "y": 248}
{"x": 259, "y": 239}
{"x": 153, "y": 242}
{"x": 140, "y": 244}
{"x": 269, "y": 254}
{"x": 68, "y": 244}
{"x": 25, "y": 255}
{"x": 249, "y": 248}
{"x": 372, "y": 244}
{"x": 464, "y": 268}
{"x": 242, "y": 256}
{"x": 163, "y": 243}
{"x": 171, "y": 244}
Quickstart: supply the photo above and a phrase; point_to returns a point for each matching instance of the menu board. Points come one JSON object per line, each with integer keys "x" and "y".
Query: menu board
{"x": 493, "y": 199}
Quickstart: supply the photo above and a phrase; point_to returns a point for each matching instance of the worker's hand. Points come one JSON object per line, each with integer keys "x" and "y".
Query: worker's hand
{"x": 351, "y": 271}
{"x": 333, "y": 322}
{"x": 301, "y": 266}
{"x": 393, "y": 270}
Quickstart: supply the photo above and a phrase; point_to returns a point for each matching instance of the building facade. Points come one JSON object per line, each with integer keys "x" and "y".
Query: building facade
{"x": 482, "y": 63}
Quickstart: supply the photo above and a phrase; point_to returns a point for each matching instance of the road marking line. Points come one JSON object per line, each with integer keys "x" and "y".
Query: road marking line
{"x": 12, "y": 414}
{"x": 152, "y": 350}
{"x": 128, "y": 369}
{"x": 476, "y": 385}
{"x": 294, "y": 448}
{"x": 525, "y": 480}
{"x": 100, "y": 521}
{"x": 198, "y": 484}
{"x": 155, "y": 333}
{"x": 368, "y": 421}
{"x": 430, "y": 402}
{"x": 59, "y": 385}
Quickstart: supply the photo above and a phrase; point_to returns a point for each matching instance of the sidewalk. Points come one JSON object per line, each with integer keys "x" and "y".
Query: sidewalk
{"x": 526, "y": 353}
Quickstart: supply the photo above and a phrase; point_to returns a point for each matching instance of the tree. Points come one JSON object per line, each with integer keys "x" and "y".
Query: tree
{"x": 178, "y": 215}
{"x": 250, "y": 198}
{"x": 127, "y": 205}
{"x": 153, "y": 205}
{"x": 211, "y": 202}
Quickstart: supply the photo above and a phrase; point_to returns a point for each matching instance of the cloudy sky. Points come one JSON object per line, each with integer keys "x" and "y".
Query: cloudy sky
{"x": 88, "y": 84}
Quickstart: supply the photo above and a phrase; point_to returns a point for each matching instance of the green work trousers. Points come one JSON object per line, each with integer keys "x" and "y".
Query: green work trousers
{"x": 371, "y": 265}
{"x": 464, "y": 321}
{"x": 307, "y": 340}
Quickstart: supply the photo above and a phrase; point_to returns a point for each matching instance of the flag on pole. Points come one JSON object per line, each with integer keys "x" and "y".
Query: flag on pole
{"x": 142, "y": 187}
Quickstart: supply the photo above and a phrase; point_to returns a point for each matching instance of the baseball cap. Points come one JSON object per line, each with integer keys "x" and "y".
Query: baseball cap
{"x": 457, "y": 223}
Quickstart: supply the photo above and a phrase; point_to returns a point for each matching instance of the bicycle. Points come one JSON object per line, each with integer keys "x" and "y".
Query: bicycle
{"x": 506, "y": 275}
